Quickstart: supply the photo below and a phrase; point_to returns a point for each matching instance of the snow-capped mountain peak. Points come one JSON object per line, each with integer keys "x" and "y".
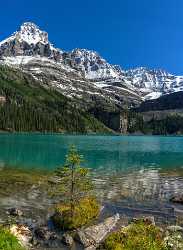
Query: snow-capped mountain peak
{"x": 31, "y": 34}
{"x": 29, "y": 40}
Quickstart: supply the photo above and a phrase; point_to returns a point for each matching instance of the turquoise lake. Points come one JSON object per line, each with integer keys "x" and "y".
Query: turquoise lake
{"x": 132, "y": 174}
{"x": 109, "y": 153}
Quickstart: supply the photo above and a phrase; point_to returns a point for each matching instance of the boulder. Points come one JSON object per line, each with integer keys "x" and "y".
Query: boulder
{"x": 175, "y": 229}
{"x": 84, "y": 239}
{"x": 91, "y": 248}
{"x": 67, "y": 239}
{"x": 174, "y": 237}
{"x": 23, "y": 234}
{"x": 44, "y": 237}
{"x": 174, "y": 241}
{"x": 94, "y": 235}
{"x": 42, "y": 233}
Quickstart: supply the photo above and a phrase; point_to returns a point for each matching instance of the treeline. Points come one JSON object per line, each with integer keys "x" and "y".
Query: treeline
{"x": 27, "y": 106}
{"x": 165, "y": 102}
{"x": 172, "y": 124}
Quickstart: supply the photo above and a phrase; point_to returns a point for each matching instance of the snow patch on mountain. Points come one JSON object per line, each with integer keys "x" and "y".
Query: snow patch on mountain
{"x": 7, "y": 40}
{"x": 154, "y": 83}
{"x": 153, "y": 95}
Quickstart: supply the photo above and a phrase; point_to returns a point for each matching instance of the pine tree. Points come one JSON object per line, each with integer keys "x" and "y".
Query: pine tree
{"x": 73, "y": 185}
{"x": 74, "y": 182}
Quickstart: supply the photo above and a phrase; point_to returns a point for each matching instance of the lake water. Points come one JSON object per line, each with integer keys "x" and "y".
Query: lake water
{"x": 127, "y": 170}
{"x": 110, "y": 153}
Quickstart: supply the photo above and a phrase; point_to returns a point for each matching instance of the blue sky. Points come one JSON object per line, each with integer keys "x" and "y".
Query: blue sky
{"x": 130, "y": 33}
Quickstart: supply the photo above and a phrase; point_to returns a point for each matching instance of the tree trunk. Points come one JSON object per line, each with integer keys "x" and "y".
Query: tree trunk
{"x": 72, "y": 190}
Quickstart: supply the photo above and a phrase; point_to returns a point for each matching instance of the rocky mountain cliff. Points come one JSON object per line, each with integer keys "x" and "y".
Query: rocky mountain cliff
{"x": 29, "y": 41}
{"x": 85, "y": 78}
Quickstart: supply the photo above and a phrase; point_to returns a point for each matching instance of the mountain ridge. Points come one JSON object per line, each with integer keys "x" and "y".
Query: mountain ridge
{"x": 30, "y": 41}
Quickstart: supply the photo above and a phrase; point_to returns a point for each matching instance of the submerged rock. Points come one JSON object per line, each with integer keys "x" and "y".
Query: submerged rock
{"x": 15, "y": 212}
{"x": 149, "y": 220}
{"x": 95, "y": 234}
{"x": 44, "y": 237}
{"x": 42, "y": 233}
{"x": 177, "y": 198}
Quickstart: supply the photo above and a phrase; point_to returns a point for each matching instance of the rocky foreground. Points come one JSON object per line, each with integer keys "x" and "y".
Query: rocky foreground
{"x": 33, "y": 235}
{"x": 27, "y": 212}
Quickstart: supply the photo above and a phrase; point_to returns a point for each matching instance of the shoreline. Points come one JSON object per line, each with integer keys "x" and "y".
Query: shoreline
{"x": 88, "y": 134}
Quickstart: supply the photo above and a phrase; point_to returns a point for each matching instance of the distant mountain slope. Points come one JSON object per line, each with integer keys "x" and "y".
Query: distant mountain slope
{"x": 27, "y": 106}
{"x": 154, "y": 83}
{"x": 166, "y": 102}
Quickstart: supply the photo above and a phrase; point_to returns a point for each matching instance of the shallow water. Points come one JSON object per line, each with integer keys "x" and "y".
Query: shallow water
{"x": 133, "y": 174}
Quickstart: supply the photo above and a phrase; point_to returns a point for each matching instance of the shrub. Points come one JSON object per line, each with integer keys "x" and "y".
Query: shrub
{"x": 84, "y": 212}
{"x": 137, "y": 236}
{"x": 9, "y": 241}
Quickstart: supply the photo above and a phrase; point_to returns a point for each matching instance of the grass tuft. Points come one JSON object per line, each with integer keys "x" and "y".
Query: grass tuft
{"x": 9, "y": 241}
{"x": 137, "y": 236}
{"x": 85, "y": 211}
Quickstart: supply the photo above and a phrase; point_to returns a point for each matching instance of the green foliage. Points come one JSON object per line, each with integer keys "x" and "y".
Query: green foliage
{"x": 31, "y": 107}
{"x": 74, "y": 181}
{"x": 9, "y": 241}
{"x": 135, "y": 122}
{"x": 85, "y": 210}
{"x": 171, "y": 124}
{"x": 74, "y": 185}
{"x": 137, "y": 236}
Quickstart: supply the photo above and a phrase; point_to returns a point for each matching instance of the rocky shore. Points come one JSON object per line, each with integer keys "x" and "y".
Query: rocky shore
{"x": 26, "y": 209}
{"x": 33, "y": 235}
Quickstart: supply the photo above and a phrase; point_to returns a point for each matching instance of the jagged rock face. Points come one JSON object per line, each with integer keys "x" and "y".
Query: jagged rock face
{"x": 29, "y": 41}
{"x": 92, "y": 65}
{"x": 154, "y": 83}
